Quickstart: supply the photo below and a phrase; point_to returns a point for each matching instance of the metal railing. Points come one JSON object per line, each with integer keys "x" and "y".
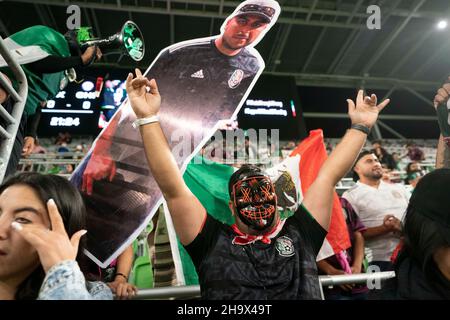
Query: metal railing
{"x": 8, "y": 134}
{"x": 46, "y": 163}
{"x": 327, "y": 281}
{"x": 193, "y": 292}
{"x": 178, "y": 292}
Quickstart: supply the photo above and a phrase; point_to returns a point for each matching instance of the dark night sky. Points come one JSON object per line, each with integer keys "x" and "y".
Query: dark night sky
{"x": 314, "y": 99}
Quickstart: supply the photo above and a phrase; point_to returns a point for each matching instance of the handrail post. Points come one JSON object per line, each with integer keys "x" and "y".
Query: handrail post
{"x": 20, "y": 97}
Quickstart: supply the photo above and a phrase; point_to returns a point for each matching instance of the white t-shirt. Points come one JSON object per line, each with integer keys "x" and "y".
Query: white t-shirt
{"x": 372, "y": 205}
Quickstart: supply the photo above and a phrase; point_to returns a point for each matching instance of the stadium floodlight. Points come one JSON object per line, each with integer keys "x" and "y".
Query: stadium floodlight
{"x": 443, "y": 24}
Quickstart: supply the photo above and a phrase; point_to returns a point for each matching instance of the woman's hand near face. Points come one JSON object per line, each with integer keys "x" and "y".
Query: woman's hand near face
{"x": 53, "y": 245}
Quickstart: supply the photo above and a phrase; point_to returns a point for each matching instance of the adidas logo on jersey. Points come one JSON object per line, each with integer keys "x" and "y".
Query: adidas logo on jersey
{"x": 198, "y": 74}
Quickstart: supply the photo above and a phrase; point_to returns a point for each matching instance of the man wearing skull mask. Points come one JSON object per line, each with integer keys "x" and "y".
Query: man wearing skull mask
{"x": 260, "y": 256}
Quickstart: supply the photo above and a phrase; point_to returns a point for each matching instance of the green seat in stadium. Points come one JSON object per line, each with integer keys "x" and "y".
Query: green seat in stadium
{"x": 142, "y": 271}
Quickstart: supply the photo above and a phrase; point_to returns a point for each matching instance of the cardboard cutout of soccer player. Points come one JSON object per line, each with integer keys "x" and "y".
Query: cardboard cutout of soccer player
{"x": 201, "y": 81}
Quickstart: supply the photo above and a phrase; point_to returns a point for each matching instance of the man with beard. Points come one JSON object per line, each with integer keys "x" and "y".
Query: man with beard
{"x": 380, "y": 207}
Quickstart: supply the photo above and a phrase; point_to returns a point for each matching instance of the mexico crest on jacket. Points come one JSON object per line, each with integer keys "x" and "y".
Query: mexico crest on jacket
{"x": 285, "y": 246}
{"x": 235, "y": 78}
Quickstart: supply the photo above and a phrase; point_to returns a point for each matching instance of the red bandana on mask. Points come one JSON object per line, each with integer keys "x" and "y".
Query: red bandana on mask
{"x": 243, "y": 238}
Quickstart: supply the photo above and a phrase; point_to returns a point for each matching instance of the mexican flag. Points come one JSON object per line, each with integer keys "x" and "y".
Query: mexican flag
{"x": 208, "y": 181}
{"x": 35, "y": 43}
{"x": 313, "y": 155}
{"x": 30, "y": 45}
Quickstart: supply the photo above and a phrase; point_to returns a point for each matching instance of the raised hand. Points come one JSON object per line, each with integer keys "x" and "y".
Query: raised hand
{"x": 366, "y": 110}
{"x": 143, "y": 95}
{"x": 442, "y": 94}
{"x": 91, "y": 54}
{"x": 53, "y": 246}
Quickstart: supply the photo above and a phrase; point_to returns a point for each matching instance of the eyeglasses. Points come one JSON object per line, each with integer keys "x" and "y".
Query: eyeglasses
{"x": 268, "y": 11}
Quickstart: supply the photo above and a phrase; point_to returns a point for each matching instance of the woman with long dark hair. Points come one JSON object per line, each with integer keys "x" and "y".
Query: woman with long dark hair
{"x": 42, "y": 221}
{"x": 423, "y": 265}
